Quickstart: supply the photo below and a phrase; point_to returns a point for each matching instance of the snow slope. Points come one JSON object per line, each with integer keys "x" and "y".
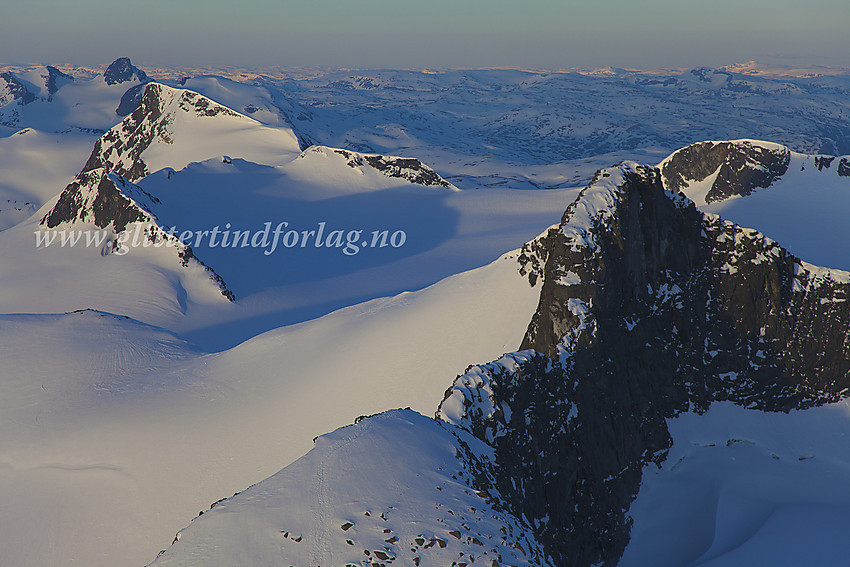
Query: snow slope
{"x": 445, "y": 231}
{"x": 743, "y": 487}
{"x": 392, "y": 487}
{"x": 125, "y": 432}
{"x": 122, "y": 430}
{"x": 36, "y": 166}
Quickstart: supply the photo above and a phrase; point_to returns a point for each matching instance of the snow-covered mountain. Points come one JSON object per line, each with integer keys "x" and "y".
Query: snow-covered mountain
{"x": 199, "y": 166}
{"x": 392, "y": 488}
{"x": 662, "y": 327}
{"x": 47, "y": 99}
{"x": 648, "y": 309}
{"x": 797, "y": 199}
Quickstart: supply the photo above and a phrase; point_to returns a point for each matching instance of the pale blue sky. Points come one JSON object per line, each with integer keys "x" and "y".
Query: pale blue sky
{"x": 434, "y": 33}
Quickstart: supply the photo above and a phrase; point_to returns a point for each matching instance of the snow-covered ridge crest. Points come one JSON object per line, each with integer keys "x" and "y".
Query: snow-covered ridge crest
{"x": 173, "y": 127}
{"x": 109, "y": 202}
{"x": 122, "y": 150}
{"x": 408, "y": 169}
{"x": 597, "y": 203}
{"x": 394, "y": 488}
{"x": 470, "y": 404}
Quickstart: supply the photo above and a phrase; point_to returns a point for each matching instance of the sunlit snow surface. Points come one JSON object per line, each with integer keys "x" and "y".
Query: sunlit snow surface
{"x": 116, "y": 431}
{"x": 124, "y": 432}
{"x": 743, "y": 487}
{"x": 389, "y": 488}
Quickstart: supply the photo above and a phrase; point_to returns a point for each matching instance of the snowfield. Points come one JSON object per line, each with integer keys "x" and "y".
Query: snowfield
{"x": 130, "y": 431}
{"x": 134, "y": 393}
{"x": 392, "y": 487}
{"x": 743, "y": 487}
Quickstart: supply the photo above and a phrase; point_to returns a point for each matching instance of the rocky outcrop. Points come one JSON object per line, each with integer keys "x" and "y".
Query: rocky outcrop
{"x": 94, "y": 197}
{"x": 103, "y": 193}
{"x": 648, "y": 308}
{"x": 121, "y": 71}
{"x": 823, "y": 162}
{"x": 410, "y": 169}
{"x": 54, "y": 75}
{"x": 13, "y": 90}
{"x": 844, "y": 167}
{"x": 739, "y": 167}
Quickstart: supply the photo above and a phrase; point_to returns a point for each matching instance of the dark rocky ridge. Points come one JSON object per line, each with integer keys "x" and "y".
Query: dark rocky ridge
{"x": 122, "y": 70}
{"x": 647, "y": 309}
{"x": 410, "y": 169}
{"x": 102, "y": 193}
{"x": 741, "y": 167}
{"x": 17, "y": 90}
{"x": 52, "y": 75}
{"x": 109, "y": 205}
{"x": 127, "y": 140}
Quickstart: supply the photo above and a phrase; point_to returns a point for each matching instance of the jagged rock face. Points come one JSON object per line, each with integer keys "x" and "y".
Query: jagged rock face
{"x": 122, "y": 70}
{"x": 741, "y": 167}
{"x": 13, "y": 90}
{"x": 120, "y": 149}
{"x": 52, "y": 75}
{"x": 844, "y": 167}
{"x": 410, "y": 169}
{"x": 94, "y": 196}
{"x": 647, "y": 308}
{"x": 102, "y": 193}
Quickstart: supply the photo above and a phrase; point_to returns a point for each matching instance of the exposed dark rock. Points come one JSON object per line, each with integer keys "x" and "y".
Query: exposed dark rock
{"x": 52, "y": 75}
{"x": 647, "y": 309}
{"x": 122, "y": 70}
{"x": 823, "y": 162}
{"x": 410, "y": 169}
{"x": 844, "y": 167}
{"x": 17, "y": 89}
{"x": 102, "y": 193}
{"x": 120, "y": 149}
{"x": 94, "y": 196}
{"x": 111, "y": 206}
{"x": 741, "y": 167}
